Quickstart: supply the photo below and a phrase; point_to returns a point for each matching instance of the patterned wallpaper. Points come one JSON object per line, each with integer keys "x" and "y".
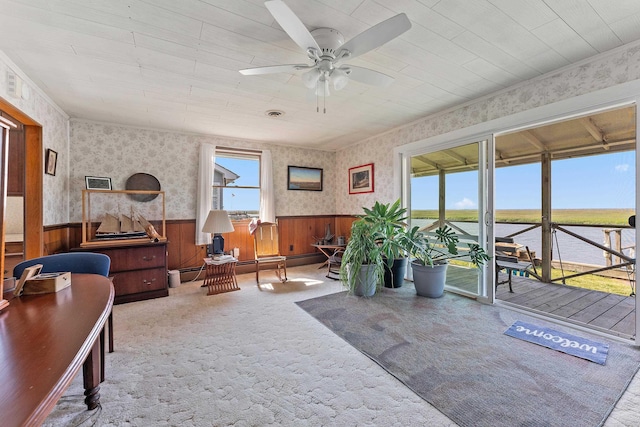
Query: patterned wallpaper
{"x": 117, "y": 152}
{"x": 609, "y": 69}
{"x": 54, "y": 136}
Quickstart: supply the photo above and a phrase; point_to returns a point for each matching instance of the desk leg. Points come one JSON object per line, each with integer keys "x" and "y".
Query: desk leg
{"x": 91, "y": 373}
{"x": 327, "y": 255}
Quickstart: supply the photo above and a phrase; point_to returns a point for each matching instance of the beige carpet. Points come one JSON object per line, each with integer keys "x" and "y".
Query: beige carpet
{"x": 251, "y": 358}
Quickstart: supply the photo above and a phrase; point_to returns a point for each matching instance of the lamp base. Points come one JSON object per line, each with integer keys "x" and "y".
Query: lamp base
{"x": 217, "y": 244}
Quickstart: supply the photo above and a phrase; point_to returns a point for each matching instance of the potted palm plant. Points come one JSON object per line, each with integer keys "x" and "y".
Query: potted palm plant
{"x": 432, "y": 255}
{"x": 362, "y": 267}
{"x": 388, "y": 221}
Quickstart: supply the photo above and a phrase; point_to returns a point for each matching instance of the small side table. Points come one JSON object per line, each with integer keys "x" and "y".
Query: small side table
{"x": 221, "y": 275}
{"x": 328, "y": 251}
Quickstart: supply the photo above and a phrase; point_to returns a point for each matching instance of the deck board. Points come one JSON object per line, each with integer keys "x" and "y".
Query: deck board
{"x": 614, "y": 314}
{"x": 597, "y": 309}
{"x": 600, "y": 310}
{"x": 626, "y": 325}
{"x": 568, "y": 296}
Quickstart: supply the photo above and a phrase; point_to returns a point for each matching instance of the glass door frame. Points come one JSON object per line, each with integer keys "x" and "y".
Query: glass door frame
{"x": 485, "y": 141}
{"x": 607, "y": 98}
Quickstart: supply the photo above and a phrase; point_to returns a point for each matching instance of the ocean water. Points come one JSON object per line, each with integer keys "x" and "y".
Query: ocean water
{"x": 565, "y": 247}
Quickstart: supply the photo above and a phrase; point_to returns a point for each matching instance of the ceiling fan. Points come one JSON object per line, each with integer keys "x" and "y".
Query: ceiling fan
{"x": 326, "y": 48}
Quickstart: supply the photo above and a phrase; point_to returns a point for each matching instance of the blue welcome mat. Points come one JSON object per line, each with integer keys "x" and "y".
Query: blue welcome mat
{"x": 560, "y": 341}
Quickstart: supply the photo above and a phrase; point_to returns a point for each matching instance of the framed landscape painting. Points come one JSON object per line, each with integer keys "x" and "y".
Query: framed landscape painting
{"x": 303, "y": 178}
{"x": 361, "y": 179}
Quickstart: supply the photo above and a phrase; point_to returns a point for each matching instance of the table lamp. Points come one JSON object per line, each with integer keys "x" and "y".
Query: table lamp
{"x": 217, "y": 222}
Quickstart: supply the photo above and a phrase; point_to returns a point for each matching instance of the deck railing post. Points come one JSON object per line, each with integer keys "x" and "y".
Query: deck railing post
{"x": 607, "y": 243}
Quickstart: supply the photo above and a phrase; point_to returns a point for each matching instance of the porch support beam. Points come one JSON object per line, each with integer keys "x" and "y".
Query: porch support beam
{"x": 441, "y": 198}
{"x": 546, "y": 217}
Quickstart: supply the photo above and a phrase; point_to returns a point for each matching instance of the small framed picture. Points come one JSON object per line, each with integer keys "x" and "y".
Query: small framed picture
{"x": 303, "y": 178}
{"x": 27, "y": 274}
{"x": 97, "y": 183}
{"x": 361, "y": 179}
{"x": 50, "y": 162}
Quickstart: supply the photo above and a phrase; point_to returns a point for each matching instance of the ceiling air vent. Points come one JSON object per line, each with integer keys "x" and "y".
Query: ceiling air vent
{"x": 274, "y": 113}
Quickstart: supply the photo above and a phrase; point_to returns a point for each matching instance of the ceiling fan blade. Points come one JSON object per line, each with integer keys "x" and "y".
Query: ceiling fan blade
{"x": 288, "y": 68}
{"x": 376, "y": 36}
{"x": 370, "y": 77}
{"x": 292, "y": 25}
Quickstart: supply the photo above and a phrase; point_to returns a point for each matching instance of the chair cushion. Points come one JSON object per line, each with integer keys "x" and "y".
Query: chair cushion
{"x": 271, "y": 259}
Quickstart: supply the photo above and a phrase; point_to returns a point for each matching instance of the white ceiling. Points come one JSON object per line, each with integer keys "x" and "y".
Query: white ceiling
{"x": 173, "y": 64}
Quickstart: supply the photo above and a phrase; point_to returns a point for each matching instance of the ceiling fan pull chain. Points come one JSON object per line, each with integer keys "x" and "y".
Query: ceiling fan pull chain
{"x": 324, "y": 102}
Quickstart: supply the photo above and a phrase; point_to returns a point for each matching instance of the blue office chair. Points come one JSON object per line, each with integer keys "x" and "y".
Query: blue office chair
{"x": 74, "y": 262}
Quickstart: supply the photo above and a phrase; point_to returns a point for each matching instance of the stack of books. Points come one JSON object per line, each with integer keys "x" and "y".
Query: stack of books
{"x": 220, "y": 259}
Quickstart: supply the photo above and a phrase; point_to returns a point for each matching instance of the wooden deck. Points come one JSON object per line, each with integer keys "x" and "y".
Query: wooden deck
{"x": 610, "y": 313}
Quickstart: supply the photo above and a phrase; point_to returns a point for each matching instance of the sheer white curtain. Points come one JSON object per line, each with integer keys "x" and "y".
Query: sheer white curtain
{"x": 267, "y": 197}
{"x": 204, "y": 201}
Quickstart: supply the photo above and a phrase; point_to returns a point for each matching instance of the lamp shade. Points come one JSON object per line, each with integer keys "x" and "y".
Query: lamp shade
{"x": 217, "y": 222}
{"x": 339, "y": 78}
{"x": 310, "y": 78}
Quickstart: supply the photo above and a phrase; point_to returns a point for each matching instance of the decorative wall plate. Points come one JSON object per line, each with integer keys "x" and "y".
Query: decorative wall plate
{"x": 145, "y": 182}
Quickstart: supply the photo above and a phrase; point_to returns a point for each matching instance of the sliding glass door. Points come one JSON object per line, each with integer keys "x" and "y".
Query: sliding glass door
{"x": 448, "y": 189}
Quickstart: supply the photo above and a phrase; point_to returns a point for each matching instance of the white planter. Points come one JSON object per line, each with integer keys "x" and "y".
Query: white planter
{"x": 429, "y": 280}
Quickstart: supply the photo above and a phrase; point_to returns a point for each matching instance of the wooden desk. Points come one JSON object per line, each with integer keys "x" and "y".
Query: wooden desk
{"x": 45, "y": 340}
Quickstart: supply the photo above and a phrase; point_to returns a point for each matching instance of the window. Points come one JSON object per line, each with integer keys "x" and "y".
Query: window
{"x": 236, "y": 183}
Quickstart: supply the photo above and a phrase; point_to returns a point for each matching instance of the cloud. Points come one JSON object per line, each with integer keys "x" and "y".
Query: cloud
{"x": 465, "y": 204}
{"x": 622, "y": 168}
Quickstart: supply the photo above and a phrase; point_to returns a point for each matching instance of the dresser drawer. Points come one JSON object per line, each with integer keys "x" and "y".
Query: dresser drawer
{"x": 139, "y": 271}
{"x": 126, "y": 259}
{"x": 133, "y": 282}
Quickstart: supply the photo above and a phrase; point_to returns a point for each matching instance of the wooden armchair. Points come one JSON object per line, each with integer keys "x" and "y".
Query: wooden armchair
{"x": 267, "y": 250}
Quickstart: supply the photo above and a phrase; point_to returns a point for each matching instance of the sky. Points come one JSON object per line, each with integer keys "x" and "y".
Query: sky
{"x": 236, "y": 199}
{"x": 603, "y": 181}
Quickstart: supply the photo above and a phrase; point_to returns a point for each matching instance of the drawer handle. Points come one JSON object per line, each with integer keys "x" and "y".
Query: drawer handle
{"x": 146, "y": 258}
{"x": 148, "y": 282}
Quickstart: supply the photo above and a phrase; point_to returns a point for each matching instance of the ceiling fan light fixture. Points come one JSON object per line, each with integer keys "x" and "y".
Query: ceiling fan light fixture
{"x": 323, "y": 87}
{"x": 326, "y": 48}
{"x": 310, "y": 78}
{"x": 339, "y": 78}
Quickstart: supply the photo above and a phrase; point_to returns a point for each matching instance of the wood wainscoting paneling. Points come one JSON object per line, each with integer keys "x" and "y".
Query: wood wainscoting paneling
{"x": 297, "y": 233}
{"x": 56, "y": 239}
{"x": 181, "y": 245}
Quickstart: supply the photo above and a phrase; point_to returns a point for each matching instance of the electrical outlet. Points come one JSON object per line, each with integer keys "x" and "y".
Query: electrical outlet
{"x": 290, "y": 248}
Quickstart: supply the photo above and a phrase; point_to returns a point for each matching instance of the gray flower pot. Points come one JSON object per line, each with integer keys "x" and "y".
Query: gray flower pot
{"x": 429, "y": 280}
{"x": 366, "y": 282}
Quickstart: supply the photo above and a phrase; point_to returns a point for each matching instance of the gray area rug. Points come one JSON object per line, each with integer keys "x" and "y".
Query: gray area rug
{"x": 452, "y": 352}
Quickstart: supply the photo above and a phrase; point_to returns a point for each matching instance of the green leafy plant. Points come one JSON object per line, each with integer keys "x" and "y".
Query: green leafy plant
{"x": 443, "y": 246}
{"x": 381, "y": 235}
{"x": 388, "y": 227}
{"x": 362, "y": 250}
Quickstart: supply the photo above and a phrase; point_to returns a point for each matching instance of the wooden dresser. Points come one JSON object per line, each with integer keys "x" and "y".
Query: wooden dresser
{"x": 139, "y": 271}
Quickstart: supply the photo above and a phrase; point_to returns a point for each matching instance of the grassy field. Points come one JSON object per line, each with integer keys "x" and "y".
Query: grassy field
{"x": 615, "y": 217}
